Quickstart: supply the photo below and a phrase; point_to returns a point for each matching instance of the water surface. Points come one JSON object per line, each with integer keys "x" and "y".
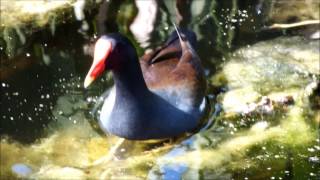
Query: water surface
{"x": 263, "y": 86}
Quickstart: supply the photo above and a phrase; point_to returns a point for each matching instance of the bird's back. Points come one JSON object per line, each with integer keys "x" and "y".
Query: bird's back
{"x": 174, "y": 72}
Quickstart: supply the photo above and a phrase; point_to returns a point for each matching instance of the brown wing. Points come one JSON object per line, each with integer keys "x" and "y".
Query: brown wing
{"x": 175, "y": 70}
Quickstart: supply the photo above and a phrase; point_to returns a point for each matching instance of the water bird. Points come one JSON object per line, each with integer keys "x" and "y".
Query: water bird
{"x": 161, "y": 95}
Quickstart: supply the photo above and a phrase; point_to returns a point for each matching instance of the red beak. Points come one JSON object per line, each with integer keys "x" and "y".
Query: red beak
{"x": 103, "y": 48}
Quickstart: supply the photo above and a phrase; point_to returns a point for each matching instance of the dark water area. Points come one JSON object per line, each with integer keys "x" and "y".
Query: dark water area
{"x": 31, "y": 91}
{"x": 262, "y": 81}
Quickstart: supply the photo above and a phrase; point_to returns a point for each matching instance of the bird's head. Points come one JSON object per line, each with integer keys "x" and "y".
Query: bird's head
{"x": 110, "y": 52}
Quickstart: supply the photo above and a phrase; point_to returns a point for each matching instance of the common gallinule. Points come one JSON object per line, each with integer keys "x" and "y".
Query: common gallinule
{"x": 162, "y": 95}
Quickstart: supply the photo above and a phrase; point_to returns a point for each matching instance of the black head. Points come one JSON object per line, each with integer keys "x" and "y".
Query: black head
{"x": 112, "y": 52}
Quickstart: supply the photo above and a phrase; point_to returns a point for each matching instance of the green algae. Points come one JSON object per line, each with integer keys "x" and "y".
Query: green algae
{"x": 20, "y": 20}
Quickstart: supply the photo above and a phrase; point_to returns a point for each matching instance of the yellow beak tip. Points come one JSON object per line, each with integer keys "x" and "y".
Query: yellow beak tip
{"x": 88, "y": 81}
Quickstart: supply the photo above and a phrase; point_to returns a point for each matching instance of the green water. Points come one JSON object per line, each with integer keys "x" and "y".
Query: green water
{"x": 264, "y": 88}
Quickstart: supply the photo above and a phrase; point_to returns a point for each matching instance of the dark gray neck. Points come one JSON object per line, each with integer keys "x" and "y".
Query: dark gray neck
{"x": 129, "y": 82}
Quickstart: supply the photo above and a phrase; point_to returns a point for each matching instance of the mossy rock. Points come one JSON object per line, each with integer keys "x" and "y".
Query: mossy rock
{"x": 21, "y": 19}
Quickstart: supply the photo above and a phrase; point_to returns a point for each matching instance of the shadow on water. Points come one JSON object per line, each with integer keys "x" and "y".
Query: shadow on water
{"x": 30, "y": 90}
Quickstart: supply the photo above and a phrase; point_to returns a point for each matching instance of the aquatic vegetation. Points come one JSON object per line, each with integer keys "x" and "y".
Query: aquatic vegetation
{"x": 267, "y": 89}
